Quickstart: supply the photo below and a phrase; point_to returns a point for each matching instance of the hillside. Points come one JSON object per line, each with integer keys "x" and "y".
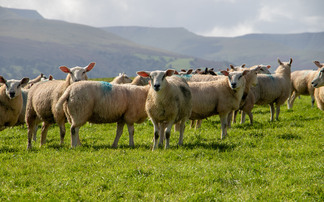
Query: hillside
{"x": 250, "y": 49}
{"x": 31, "y": 44}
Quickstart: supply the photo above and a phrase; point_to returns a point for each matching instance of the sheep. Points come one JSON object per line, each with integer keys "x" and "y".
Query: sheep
{"x": 301, "y": 84}
{"x": 103, "y": 102}
{"x": 121, "y": 78}
{"x": 35, "y": 80}
{"x": 317, "y": 83}
{"x": 41, "y": 101}
{"x": 140, "y": 81}
{"x": 274, "y": 88}
{"x": 168, "y": 102}
{"x": 248, "y": 99}
{"x": 264, "y": 69}
{"x": 218, "y": 97}
{"x": 11, "y": 101}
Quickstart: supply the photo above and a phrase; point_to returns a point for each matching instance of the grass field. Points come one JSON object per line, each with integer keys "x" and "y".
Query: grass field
{"x": 270, "y": 161}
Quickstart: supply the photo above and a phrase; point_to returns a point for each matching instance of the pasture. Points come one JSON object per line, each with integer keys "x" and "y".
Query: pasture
{"x": 270, "y": 161}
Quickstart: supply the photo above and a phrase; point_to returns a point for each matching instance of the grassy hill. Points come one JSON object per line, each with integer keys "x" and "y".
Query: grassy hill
{"x": 250, "y": 49}
{"x": 31, "y": 45}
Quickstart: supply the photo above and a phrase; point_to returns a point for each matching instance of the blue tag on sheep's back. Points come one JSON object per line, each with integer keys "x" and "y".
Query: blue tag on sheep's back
{"x": 185, "y": 76}
{"x": 106, "y": 87}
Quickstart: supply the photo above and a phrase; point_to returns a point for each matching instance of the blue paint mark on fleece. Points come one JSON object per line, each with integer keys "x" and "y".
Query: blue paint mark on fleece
{"x": 269, "y": 75}
{"x": 185, "y": 76}
{"x": 106, "y": 87}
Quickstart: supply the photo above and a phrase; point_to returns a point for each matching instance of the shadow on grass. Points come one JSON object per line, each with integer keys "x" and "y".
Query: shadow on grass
{"x": 289, "y": 136}
{"x": 220, "y": 146}
{"x": 6, "y": 149}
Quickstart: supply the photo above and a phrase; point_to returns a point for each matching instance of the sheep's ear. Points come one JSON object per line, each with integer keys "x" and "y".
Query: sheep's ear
{"x": 225, "y": 72}
{"x": 90, "y": 66}
{"x": 24, "y": 82}
{"x": 143, "y": 74}
{"x": 65, "y": 69}
{"x": 280, "y": 63}
{"x": 189, "y": 71}
{"x": 169, "y": 72}
{"x": 182, "y": 70}
{"x": 243, "y": 65}
{"x": 3, "y": 80}
{"x": 50, "y": 77}
{"x": 318, "y": 64}
{"x": 290, "y": 61}
{"x": 245, "y": 72}
{"x": 176, "y": 72}
{"x": 269, "y": 66}
{"x": 227, "y": 69}
{"x": 232, "y": 67}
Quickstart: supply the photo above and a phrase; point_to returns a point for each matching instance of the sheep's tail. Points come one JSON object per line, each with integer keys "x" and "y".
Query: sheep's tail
{"x": 62, "y": 100}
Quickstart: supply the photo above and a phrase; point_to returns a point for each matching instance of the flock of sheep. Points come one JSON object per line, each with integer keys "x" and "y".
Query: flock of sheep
{"x": 167, "y": 97}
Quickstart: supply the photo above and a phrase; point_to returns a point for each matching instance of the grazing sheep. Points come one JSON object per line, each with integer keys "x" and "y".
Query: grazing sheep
{"x": 103, "y": 102}
{"x": 42, "y": 98}
{"x": 317, "y": 83}
{"x": 274, "y": 88}
{"x": 301, "y": 84}
{"x": 11, "y": 101}
{"x": 218, "y": 97}
{"x": 168, "y": 102}
{"x": 121, "y": 78}
{"x": 140, "y": 81}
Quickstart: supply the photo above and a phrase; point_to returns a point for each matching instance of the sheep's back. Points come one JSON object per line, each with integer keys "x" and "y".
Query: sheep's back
{"x": 319, "y": 97}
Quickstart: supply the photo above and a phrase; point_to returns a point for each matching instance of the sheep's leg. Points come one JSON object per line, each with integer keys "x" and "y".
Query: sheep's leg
{"x": 277, "y": 111}
{"x": 31, "y": 130}
{"x": 62, "y": 132}
{"x": 193, "y": 123}
{"x": 35, "y": 133}
{"x": 156, "y": 135}
{"x": 119, "y": 132}
{"x": 223, "y": 119}
{"x": 161, "y": 133}
{"x": 243, "y": 117}
{"x": 182, "y": 129}
{"x": 168, "y": 134}
{"x": 251, "y": 118}
{"x": 74, "y": 136}
{"x": 44, "y": 131}
{"x": 291, "y": 99}
{"x": 198, "y": 124}
{"x": 234, "y": 116}
{"x": 229, "y": 118}
{"x": 131, "y": 134}
{"x": 313, "y": 100}
{"x": 176, "y": 127}
{"x": 272, "y": 111}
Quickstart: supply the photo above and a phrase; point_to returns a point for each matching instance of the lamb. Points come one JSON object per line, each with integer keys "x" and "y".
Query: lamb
{"x": 140, "y": 81}
{"x": 103, "y": 102}
{"x": 317, "y": 83}
{"x": 168, "y": 102}
{"x": 274, "y": 88}
{"x": 11, "y": 101}
{"x": 218, "y": 97}
{"x": 301, "y": 84}
{"x": 42, "y": 98}
{"x": 121, "y": 78}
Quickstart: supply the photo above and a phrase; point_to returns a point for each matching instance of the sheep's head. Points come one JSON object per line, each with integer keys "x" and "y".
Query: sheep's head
{"x": 284, "y": 66}
{"x": 264, "y": 69}
{"x": 123, "y": 78}
{"x": 236, "y": 80}
{"x": 77, "y": 73}
{"x": 318, "y": 81}
{"x": 13, "y": 87}
{"x": 157, "y": 78}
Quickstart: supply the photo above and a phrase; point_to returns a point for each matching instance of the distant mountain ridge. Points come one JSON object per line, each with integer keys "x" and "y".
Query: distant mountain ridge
{"x": 31, "y": 45}
{"x": 250, "y": 49}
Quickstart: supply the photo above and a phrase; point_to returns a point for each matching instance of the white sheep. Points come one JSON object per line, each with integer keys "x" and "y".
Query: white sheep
{"x": 42, "y": 98}
{"x": 274, "y": 88}
{"x": 11, "y": 101}
{"x": 140, "y": 81}
{"x": 264, "y": 69}
{"x": 103, "y": 102}
{"x": 168, "y": 102}
{"x": 301, "y": 84}
{"x": 218, "y": 97}
{"x": 121, "y": 78}
{"x": 317, "y": 83}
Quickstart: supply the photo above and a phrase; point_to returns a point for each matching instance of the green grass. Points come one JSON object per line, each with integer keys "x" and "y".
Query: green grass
{"x": 270, "y": 161}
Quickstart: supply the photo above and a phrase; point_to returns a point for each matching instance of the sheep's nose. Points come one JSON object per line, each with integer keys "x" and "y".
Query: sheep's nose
{"x": 12, "y": 94}
{"x": 76, "y": 80}
{"x": 233, "y": 85}
{"x": 156, "y": 87}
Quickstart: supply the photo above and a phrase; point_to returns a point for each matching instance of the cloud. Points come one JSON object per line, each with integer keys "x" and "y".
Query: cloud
{"x": 208, "y": 17}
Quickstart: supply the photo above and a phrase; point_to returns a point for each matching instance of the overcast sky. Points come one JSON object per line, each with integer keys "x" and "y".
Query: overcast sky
{"x": 204, "y": 17}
